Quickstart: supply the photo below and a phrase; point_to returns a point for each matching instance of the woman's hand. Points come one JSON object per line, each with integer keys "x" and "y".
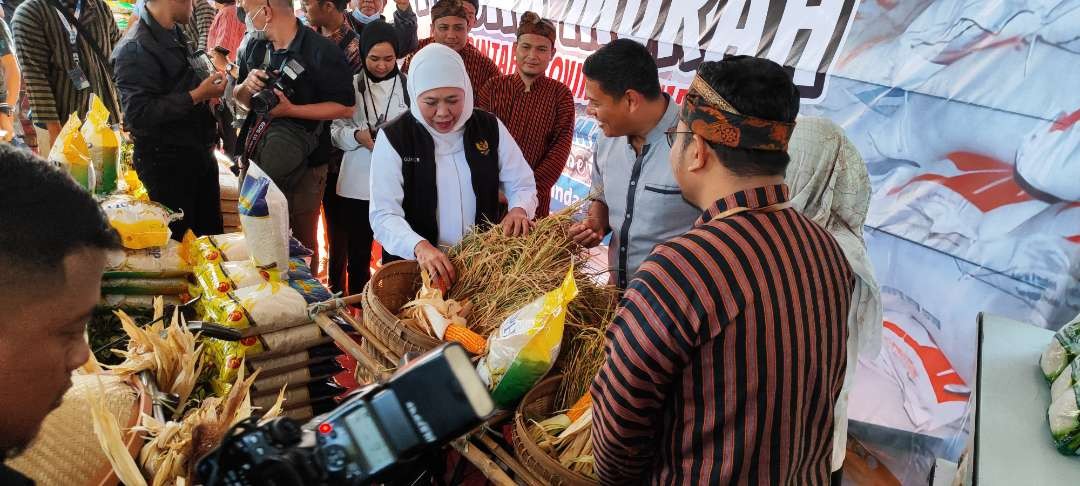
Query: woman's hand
{"x": 516, "y": 223}
{"x": 435, "y": 263}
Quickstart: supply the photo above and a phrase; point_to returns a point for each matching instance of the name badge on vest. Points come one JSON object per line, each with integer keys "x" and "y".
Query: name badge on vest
{"x": 411, "y": 160}
{"x": 483, "y": 148}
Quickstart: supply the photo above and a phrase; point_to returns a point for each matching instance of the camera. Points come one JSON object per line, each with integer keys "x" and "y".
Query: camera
{"x": 202, "y": 64}
{"x": 282, "y": 80}
{"x": 373, "y": 437}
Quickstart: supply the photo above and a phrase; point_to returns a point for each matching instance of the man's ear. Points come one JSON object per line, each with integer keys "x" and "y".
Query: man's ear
{"x": 700, "y": 152}
{"x": 633, "y": 99}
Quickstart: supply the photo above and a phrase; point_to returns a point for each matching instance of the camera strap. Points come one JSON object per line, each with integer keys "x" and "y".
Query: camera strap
{"x": 262, "y": 123}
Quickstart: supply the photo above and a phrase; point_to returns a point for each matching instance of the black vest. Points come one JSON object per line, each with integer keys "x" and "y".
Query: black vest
{"x": 417, "y": 150}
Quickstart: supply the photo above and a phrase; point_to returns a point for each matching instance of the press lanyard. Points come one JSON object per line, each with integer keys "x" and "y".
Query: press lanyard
{"x": 386, "y": 113}
{"x": 772, "y": 208}
{"x": 73, "y": 33}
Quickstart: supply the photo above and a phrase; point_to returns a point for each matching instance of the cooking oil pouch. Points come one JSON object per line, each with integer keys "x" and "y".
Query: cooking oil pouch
{"x": 526, "y": 345}
{"x": 141, "y": 224}
{"x": 103, "y": 144}
{"x": 71, "y": 153}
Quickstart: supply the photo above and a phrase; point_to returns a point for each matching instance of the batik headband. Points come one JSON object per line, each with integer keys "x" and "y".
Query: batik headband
{"x": 714, "y": 119}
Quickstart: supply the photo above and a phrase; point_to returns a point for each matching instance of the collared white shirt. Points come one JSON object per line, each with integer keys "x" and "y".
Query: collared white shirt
{"x": 456, "y": 199}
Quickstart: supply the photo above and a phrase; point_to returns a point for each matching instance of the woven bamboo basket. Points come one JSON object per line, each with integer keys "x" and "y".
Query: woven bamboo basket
{"x": 393, "y": 286}
{"x": 539, "y": 404}
{"x": 66, "y": 451}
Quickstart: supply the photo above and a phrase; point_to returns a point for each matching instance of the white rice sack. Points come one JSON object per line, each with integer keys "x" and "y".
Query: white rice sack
{"x": 1066, "y": 380}
{"x": 1064, "y": 417}
{"x": 264, "y": 215}
{"x": 273, "y": 305}
{"x": 158, "y": 262}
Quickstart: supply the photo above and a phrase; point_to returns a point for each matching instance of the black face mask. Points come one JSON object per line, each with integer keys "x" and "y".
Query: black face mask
{"x": 240, "y": 14}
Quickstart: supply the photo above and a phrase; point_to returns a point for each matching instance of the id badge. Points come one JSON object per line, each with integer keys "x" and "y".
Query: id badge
{"x": 78, "y": 79}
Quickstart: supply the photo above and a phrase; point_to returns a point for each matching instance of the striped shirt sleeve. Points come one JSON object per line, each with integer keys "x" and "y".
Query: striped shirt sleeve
{"x": 32, "y": 50}
{"x": 649, "y": 342}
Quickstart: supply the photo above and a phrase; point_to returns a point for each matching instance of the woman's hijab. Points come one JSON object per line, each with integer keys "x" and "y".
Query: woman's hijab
{"x": 376, "y": 33}
{"x": 829, "y": 184}
{"x": 437, "y": 66}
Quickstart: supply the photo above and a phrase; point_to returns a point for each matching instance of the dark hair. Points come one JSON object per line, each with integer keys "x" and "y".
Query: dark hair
{"x": 44, "y": 216}
{"x": 339, "y": 5}
{"x": 756, "y": 87}
{"x": 448, "y": 8}
{"x": 621, "y": 65}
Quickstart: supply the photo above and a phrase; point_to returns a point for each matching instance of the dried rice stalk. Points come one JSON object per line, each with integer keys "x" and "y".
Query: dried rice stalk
{"x": 584, "y": 357}
{"x": 499, "y": 274}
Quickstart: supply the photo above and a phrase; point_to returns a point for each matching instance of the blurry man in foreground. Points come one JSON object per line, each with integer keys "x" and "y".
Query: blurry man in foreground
{"x": 53, "y": 242}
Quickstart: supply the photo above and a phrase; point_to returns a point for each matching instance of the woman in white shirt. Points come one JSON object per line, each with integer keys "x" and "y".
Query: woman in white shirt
{"x": 437, "y": 170}
{"x": 380, "y": 96}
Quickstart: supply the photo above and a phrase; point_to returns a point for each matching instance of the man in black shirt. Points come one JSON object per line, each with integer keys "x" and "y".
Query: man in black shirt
{"x": 166, "y": 110}
{"x": 282, "y": 141}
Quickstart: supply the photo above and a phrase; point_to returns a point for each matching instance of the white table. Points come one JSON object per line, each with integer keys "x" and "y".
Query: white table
{"x": 1012, "y": 438}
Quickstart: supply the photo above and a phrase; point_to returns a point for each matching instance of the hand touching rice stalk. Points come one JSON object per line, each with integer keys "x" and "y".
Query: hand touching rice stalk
{"x": 500, "y": 274}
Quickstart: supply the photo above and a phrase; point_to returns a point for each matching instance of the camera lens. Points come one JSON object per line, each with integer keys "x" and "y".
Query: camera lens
{"x": 264, "y": 101}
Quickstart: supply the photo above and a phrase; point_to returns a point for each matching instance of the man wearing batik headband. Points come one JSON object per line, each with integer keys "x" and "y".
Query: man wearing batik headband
{"x": 727, "y": 353}
{"x": 538, "y": 110}
{"x": 451, "y": 21}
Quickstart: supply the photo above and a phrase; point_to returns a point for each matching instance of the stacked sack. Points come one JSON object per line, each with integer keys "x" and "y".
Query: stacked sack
{"x": 151, "y": 263}
{"x": 1061, "y": 368}
{"x": 230, "y": 198}
{"x": 259, "y": 283}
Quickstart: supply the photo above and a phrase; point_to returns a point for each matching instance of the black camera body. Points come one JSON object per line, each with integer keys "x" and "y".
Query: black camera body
{"x": 368, "y": 439}
{"x": 282, "y": 80}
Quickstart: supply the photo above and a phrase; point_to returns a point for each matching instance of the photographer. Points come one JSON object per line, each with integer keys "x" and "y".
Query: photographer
{"x": 165, "y": 89}
{"x": 290, "y": 107}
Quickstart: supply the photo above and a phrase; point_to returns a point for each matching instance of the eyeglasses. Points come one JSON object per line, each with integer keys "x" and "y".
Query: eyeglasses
{"x": 673, "y": 132}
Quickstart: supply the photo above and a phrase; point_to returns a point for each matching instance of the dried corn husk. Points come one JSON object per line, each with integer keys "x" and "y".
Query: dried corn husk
{"x": 430, "y": 313}
{"x": 568, "y": 443}
{"x": 107, "y": 430}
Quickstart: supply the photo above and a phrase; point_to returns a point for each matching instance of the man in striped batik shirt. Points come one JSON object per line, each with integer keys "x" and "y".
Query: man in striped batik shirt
{"x": 727, "y": 353}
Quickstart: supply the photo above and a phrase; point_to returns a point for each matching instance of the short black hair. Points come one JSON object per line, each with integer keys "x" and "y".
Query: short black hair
{"x": 624, "y": 64}
{"x": 755, "y": 87}
{"x": 339, "y": 5}
{"x": 44, "y": 217}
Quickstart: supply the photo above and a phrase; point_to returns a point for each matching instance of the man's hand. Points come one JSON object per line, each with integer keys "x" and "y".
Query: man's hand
{"x": 211, "y": 88}
{"x": 516, "y": 223}
{"x": 7, "y": 124}
{"x": 284, "y": 108}
{"x": 586, "y": 233}
{"x": 255, "y": 81}
{"x": 403, "y": 5}
{"x": 435, "y": 263}
{"x": 363, "y": 137}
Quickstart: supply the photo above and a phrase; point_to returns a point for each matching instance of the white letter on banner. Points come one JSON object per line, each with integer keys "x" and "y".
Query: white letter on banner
{"x": 648, "y": 27}
{"x": 684, "y": 18}
{"x": 728, "y": 34}
{"x": 821, "y": 20}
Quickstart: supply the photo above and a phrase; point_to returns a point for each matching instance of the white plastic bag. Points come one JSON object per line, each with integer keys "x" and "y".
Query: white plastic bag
{"x": 264, "y": 215}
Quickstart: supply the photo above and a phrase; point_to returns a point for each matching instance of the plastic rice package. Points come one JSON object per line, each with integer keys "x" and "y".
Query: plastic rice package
{"x": 70, "y": 152}
{"x": 312, "y": 290}
{"x": 228, "y": 356}
{"x": 1064, "y": 417}
{"x": 141, "y": 224}
{"x": 1063, "y": 349}
{"x": 110, "y": 301}
{"x": 145, "y": 286}
{"x": 526, "y": 345}
{"x": 103, "y": 144}
{"x": 229, "y": 247}
{"x": 269, "y": 306}
{"x": 218, "y": 279}
{"x": 156, "y": 262}
{"x": 1066, "y": 380}
{"x": 264, "y": 215}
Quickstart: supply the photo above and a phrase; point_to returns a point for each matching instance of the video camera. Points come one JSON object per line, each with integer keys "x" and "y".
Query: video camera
{"x": 371, "y": 437}
{"x": 282, "y": 80}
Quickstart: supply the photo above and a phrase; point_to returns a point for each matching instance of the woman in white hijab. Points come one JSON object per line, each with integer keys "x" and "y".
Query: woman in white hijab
{"x": 437, "y": 170}
{"x": 829, "y": 184}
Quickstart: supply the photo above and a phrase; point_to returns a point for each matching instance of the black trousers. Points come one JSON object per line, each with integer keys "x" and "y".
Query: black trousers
{"x": 183, "y": 179}
{"x": 350, "y": 242}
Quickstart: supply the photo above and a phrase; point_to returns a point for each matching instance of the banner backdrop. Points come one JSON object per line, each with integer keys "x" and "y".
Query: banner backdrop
{"x": 965, "y": 112}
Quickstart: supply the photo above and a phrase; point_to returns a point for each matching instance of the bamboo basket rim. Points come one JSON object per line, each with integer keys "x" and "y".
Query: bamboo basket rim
{"x": 402, "y": 278}
{"x": 540, "y": 400}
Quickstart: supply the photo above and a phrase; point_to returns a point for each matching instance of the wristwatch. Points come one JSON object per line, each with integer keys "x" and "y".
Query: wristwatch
{"x": 5, "y": 109}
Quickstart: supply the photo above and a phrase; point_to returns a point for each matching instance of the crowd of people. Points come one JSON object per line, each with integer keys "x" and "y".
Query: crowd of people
{"x": 735, "y": 229}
